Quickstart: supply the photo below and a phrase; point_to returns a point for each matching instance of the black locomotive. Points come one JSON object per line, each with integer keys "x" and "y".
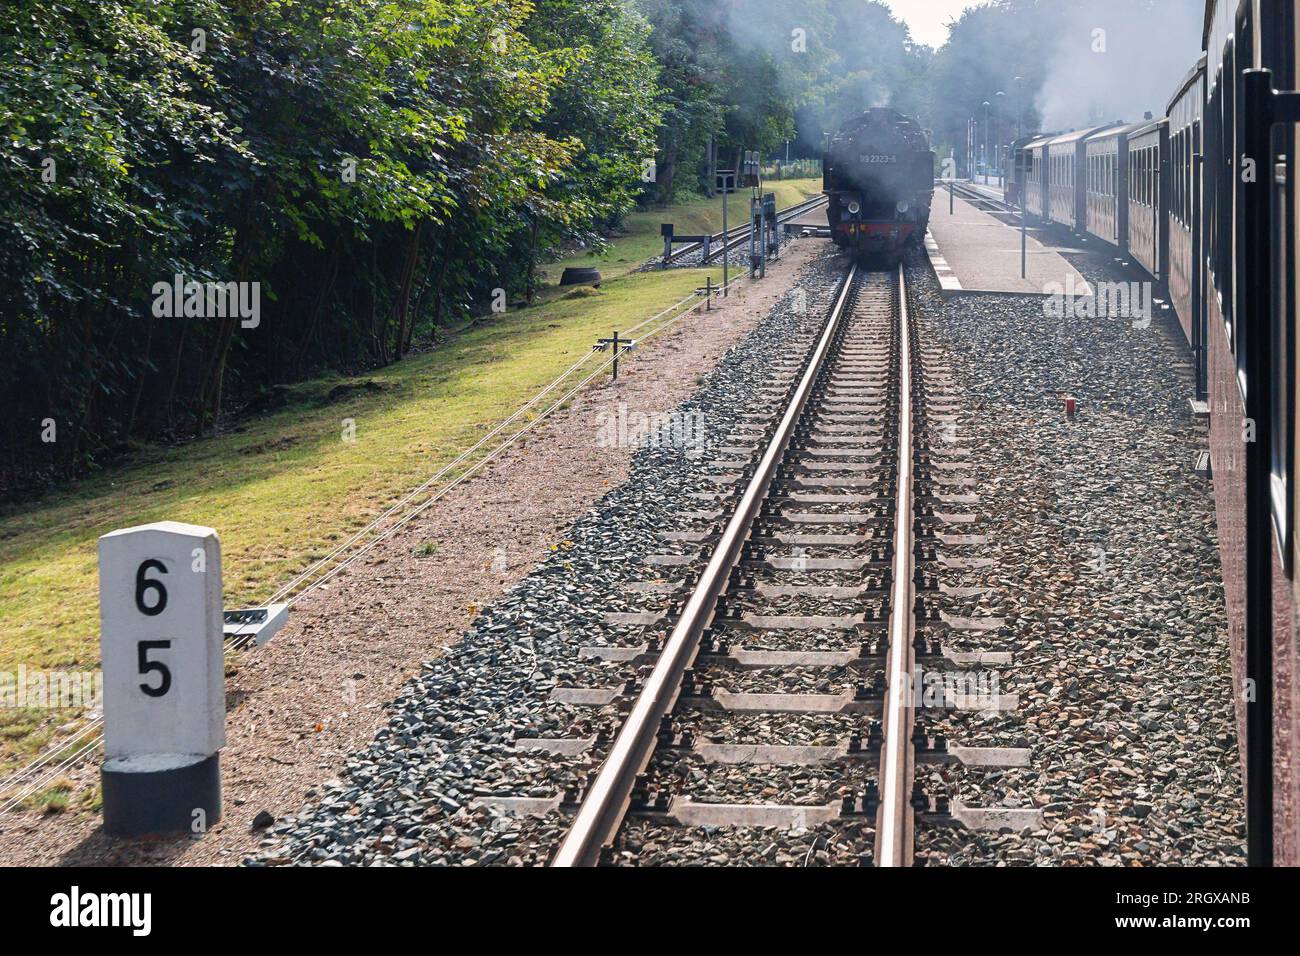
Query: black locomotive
{"x": 879, "y": 182}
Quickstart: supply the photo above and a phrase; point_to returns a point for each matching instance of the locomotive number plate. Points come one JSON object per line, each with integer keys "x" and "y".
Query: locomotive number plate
{"x": 878, "y": 159}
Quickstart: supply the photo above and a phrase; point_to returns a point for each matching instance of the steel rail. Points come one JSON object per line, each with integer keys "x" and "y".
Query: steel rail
{"x": 972, "y": 192}
{"x": 895, "y": 819}
{"x": 738, "y": 233}
{"x": 605, "y": 804}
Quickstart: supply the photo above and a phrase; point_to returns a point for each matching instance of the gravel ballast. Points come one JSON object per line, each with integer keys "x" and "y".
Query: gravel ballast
{"x": 410, "y": 798}
{"x": 1107, "y": 576}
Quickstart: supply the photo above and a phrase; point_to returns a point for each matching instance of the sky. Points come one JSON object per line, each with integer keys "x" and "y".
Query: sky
{"x": 928, "y": 19}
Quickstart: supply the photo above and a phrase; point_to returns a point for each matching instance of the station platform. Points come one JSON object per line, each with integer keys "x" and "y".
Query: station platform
{"x": 974, "y": 252}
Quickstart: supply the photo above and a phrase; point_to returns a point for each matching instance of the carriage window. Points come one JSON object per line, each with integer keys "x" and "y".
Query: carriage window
{"x": 1184, "y": 171}
{"x": 1179, "y": 184}
{"x": 1185, "y": 197}
{"x": 1176, "y": 199}
{"x": 1282, "y": 361}
{"x": 1227, "y": 194}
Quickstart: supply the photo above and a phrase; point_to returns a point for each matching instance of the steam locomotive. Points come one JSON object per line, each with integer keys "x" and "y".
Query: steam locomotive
{"x": 879, "y": 181}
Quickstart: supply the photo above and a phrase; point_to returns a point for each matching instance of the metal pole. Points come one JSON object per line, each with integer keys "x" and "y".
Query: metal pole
{"x": 753, "y": 238}
{"x": 986, "y": 141}
{"x": 997, "y": 134}
{"x": 726, "y": 256}
{"x": 1255, "y": 94}
{"x": 1024, "y": 236}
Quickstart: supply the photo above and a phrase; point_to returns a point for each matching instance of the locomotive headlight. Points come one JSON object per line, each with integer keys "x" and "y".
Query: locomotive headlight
{"x": 903, "y": 205}
{"x": 854, "y": 208}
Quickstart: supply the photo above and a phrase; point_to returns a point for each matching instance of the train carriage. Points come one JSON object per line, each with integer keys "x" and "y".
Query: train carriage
{"x": 1182, "y": 214}
{"x": 1035, "y": 164}
{"x": 1105, "y": 182}
{"x": 1148, "y": 147}
{"x": 1066, "y": 164}
{"x": 1018, "y": 163}
{"x": 1248, "y": 234}
{"x": 1206, "y": 201}
{"x": 1062, "y": 162}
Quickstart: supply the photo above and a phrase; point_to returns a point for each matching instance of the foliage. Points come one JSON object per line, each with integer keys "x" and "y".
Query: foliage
{"x": 376, "y": 167}
{"x": 381, "y": 168}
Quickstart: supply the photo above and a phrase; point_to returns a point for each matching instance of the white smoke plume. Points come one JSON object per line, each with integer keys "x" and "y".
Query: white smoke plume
{"x": 1118, "y": 59}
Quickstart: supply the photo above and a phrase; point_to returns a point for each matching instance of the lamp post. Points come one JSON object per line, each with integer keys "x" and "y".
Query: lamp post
{"x": 972, "y": 151}
{"x": 986, "y": 139}
{"x": 997, "y": 139}
{"x": 1020, "y": 106}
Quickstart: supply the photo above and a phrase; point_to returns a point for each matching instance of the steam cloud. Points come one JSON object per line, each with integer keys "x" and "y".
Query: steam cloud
{"x": 1148, "y": 48}
{"x": 859, "y": 40}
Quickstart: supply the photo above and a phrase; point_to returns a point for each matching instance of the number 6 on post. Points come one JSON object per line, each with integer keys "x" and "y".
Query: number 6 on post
{"x": 164, "y": 688}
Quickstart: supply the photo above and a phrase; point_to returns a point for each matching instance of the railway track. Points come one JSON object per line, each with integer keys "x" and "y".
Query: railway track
{"x": 981, "y": 199}
{"x": 747, "y": 691}
{"x": 721, "y": 242}
{"x": 840, "y": 475}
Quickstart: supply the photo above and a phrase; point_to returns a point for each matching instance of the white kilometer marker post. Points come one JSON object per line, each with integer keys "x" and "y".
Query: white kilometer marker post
{"x": 164, "y": 688}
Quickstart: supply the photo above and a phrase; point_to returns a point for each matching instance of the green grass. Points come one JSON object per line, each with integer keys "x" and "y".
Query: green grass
{"x": 695, "y": 217}
{"x": 284, "y": 488}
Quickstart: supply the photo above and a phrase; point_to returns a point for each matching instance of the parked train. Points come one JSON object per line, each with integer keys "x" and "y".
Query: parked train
{"x": 878, "y": 176}
{"x": 1205, "y": 200}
